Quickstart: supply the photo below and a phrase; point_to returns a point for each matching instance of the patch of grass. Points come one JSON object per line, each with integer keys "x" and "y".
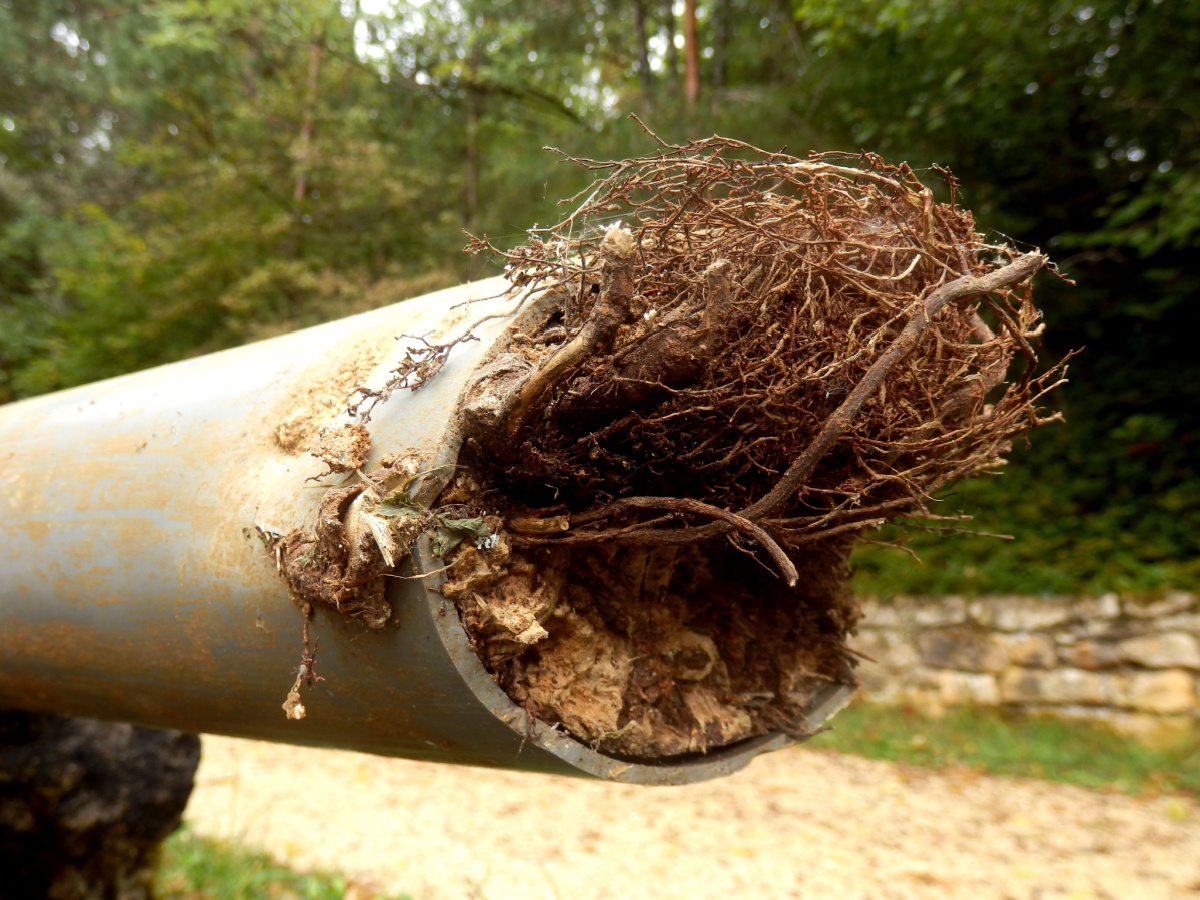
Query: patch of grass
{"x": 196, "y": 868}
{"x": 1003, "y": 743}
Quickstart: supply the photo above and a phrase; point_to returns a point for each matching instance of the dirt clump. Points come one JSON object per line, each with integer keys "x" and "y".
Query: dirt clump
{"x": 344, "y": 447}
{"x": 334, "y": 567}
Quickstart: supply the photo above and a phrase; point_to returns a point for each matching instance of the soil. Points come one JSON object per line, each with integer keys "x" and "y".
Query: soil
{"x": 343, "y": 448}
{"x": 314, "y": 404}
{"x": 801, "y": 823}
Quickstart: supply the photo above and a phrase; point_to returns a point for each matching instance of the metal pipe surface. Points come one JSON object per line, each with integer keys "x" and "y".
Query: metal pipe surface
{"x": 133, "y": 585}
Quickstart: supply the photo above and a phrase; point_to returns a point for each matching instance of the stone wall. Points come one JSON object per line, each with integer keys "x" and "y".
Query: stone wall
{"x": 1133, "y": 663}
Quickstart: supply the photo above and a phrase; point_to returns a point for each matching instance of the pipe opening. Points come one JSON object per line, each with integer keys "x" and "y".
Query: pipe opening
{"x": 650, "y": 653}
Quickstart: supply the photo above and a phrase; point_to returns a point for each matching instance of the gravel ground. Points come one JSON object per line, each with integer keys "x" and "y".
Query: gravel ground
{"x": 798, "y": 823}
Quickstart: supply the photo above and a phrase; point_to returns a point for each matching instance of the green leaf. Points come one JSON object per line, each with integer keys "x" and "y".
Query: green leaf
{"x": 399, "y": 504}
{"x": 467, "y": 527}
{"x": 445, "y": 540}
{"x": 452, "y": 532}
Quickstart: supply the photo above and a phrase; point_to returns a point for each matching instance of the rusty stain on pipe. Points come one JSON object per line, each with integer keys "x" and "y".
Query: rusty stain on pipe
{"x": 133, "y": 585}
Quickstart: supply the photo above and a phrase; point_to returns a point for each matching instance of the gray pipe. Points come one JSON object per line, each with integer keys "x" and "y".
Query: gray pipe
{"x": 133, "y": 585}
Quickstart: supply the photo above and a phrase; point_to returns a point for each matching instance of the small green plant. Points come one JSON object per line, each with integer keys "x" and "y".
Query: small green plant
{"x": 1002, "y": 743}
{"x": 197, "y": 868}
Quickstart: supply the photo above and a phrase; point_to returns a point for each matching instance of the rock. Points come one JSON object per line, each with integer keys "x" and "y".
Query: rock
{"x": 962, "y": 688}
{"x": 1089, "y": 654}
{"x": 880, "y": 614}
{"x": 84, "y": 804}
{"x": 1189, "y": 622}
{"x": 1171, "y": 603}
{"x": 876, "y": 684}
{"x": 959, "y": 648}
{"x": 1106, "y": 606}
{"x": 1171, "y": 691}
{"x": 890, "y": 650}
{"x": 1021, "y": 613}
{"x": 1115, "y": 629}
{"x": 1155, "y": 730}
{"x": 921, "y": 689}
{"x": 937, "y": 612}
{"x": 1019, "y": 685}
{"x": 1035, "y": 651}
{"x": 1161, "y": 651}
{"x": 1052, "y": 654}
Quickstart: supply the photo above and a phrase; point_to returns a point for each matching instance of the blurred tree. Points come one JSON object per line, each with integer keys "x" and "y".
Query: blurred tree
{"x": 236, "y": 176}
{"x": 180, "y": 175}
{"x": 1074, "y": 127}
{"x": 52, "y": 122}
{"x": 495, "y": 77}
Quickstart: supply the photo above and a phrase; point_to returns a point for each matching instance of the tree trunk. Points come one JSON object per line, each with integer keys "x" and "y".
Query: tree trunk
{"x": 303, "y": 156}
{"x": 672, "y": 50}
{"x": 471, "y": 176}
{"x": 643, "y": 48}
{"x": 308, "y": 122}
{"x": 85, "y": 804}
{"x": 720, "y": 42}
{"x": 691, "y": 80}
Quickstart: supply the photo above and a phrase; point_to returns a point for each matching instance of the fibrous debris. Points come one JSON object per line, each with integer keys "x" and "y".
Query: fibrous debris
{"x": 656, "y": 652}
{"x": 333, "y": 566}
{"x": 796, "y": 342}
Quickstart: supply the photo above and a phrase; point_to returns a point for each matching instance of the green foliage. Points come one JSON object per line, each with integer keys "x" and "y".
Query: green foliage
{"x": 1071, "y": 128}
{"x": 233, "y": 190}
{"x": 1001, "y": 743}
{"x": 399, "y": 504}
{"x": 183, "y": 175}
{"x": 1110, "y": 523}
{"x": 196, "y": 868}
{"x": 452, "y": 532}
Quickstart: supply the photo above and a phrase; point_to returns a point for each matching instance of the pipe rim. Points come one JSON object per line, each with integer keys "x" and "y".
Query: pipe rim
{"x": 675, "y": 770}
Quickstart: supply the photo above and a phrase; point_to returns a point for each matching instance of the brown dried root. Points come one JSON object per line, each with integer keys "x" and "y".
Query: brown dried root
{"x": 293, "y": 707}
{"x": 772, "y": 356}
{"x": 810, "y": 358}
{"x": 774, "y": 353}
{"x": 594, "y": 338}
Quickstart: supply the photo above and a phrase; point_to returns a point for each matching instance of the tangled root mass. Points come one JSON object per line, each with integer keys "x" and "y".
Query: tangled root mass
{"x": 765, "y": 357}
{"x": 763, "y": 289}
